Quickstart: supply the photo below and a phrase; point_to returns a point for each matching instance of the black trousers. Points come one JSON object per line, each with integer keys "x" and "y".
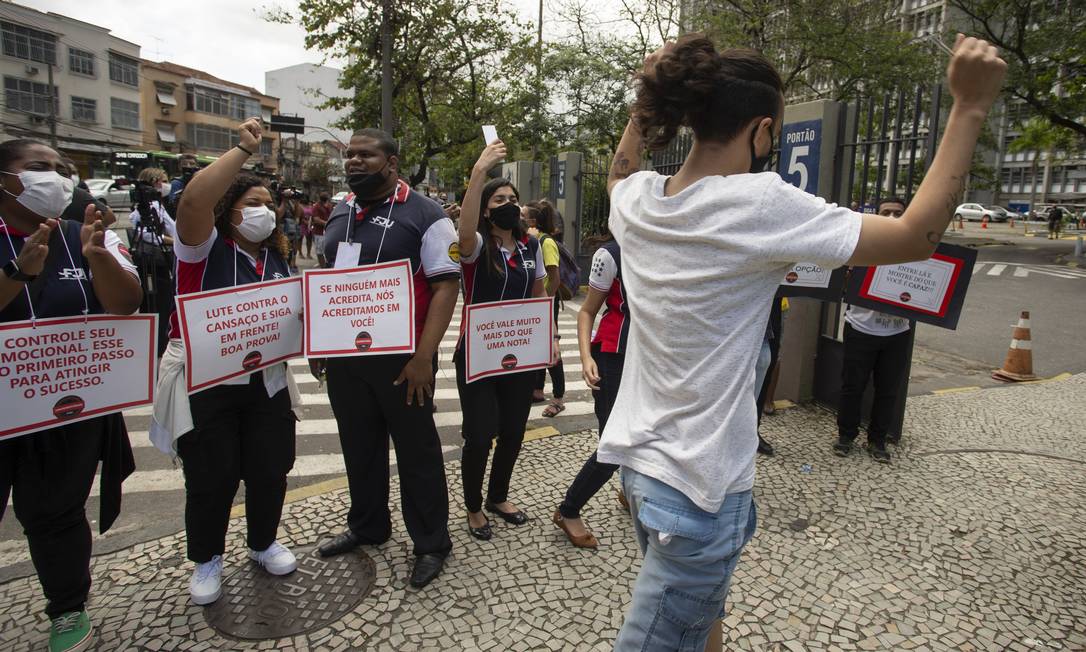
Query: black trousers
{"x": 49, "y": 474}
{"x": 883, "y": 358}
{"x": 557, "y": 372}
{"x": 241, "y": 434}
{"x": 495, "y": 406}
{"x": 369, "y": 409}
{"x": 594, "y": 474}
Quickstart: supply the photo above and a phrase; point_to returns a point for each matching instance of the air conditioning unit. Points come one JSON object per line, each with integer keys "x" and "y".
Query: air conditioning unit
{"x": 165, "y": 111}
{"x": 37, "y": 119}
{"x": 31, "y": 70}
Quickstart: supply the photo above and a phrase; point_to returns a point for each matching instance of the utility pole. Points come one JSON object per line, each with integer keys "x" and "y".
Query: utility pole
{"x": 538, "y": 77}
{"x": 387, "y": 120}
{"x": 52, "y": 109}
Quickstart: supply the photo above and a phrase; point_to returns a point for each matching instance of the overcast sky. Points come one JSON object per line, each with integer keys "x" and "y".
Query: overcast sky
{"x": 227, "y": 38}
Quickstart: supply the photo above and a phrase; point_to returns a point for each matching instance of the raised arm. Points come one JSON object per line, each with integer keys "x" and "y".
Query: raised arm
{"x": 975, "y": 74}
{"x": 627, "y": 158}
{"x": 469, "y": 207}
{"x": 196, "y": 213}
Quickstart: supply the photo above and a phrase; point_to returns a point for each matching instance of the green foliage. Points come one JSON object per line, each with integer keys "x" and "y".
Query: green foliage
{"x": 1045, "y": 49}
{"x": 1040, "y": 135}
{"x": 457, "y": 64}
{"x": 825, "y": 49}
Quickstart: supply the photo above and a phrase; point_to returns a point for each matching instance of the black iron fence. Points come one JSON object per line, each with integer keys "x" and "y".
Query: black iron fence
{"x": 549, "y": 181}
{"x": 595, "y": 202}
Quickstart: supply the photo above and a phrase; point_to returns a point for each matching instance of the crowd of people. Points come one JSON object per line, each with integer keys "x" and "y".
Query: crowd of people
{"x": 686, "y": 283}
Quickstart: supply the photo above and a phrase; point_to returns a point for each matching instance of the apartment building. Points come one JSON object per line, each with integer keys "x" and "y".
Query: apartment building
{"x": 190, "y": 111}
{"x": 69, "y": 81}
{"x": 301, "y": 90}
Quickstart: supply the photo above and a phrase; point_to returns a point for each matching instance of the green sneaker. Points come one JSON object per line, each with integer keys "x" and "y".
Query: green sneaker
{"x": 70, "y": 632}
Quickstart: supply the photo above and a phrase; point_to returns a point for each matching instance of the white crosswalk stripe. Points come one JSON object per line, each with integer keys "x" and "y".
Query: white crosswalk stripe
{"x": 1024, "y": 270}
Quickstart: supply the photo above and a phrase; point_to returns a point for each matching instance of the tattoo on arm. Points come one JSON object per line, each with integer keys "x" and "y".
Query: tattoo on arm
{"x": 955, "y": 196}
{"x": 620, "y": 169}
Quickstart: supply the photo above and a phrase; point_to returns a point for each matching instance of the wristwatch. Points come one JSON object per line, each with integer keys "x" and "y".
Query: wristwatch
{"x": 12, "y": 271}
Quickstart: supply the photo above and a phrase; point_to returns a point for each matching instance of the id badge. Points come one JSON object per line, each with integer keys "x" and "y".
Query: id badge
{"x": 348, "y": 254}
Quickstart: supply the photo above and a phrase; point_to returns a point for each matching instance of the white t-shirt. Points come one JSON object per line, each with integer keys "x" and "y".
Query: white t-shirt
{"x": 700, "y": 270}
{"x": 873, "y": 322}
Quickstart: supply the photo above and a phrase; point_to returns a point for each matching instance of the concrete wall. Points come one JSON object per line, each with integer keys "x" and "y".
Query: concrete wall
{"x": 295, "y": 86}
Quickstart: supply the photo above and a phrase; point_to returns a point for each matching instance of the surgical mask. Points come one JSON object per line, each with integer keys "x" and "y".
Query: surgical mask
{"x": 257, "y": 223}
{"x": 759, "y": 163}
{"x": 364, "y": 184}
{"x": 505, "y": 216}
{"x": 75, "y": 179}
{"x": 164, "y": 189}
{"x": 45, "y": 193}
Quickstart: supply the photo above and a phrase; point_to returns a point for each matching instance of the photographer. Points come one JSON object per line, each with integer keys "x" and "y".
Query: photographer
{"x": 189, "y": 167}
{"x": 152, "y": 247}
{"x": 288, "y": 214}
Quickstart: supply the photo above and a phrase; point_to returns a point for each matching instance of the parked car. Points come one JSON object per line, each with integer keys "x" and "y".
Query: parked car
{"x": 977, "y": 213}
{"x": 111, "y": 192}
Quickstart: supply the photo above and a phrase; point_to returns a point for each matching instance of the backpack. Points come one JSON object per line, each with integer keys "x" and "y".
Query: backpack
{"x": 569, "y": 273}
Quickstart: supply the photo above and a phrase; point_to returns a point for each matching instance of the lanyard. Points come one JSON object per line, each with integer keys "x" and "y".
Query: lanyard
{"x": 349, "y": 234}
{"x": 26, "y": 289}
{"x": 263, "y": 268}
{"x": 505, "y": 261}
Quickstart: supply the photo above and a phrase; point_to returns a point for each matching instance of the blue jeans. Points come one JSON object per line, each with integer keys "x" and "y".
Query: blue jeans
{"x": 689, "y": 558}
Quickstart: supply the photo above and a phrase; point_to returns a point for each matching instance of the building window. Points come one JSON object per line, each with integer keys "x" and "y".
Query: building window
{"x": 211, "y": 137}
{"x": 84, "y": 109}
{"x": 124, "y": 70}
{"x": 207, "y": 100}
{"x": 81, "y": 61}
{"x": 266, "y": 147}
{"x": 125, "y": 114}
{"x": 30, "y": 44}
{"x": 164, "y": 94}
{"x": 166, "y": 132}
{"x": 29, "y": 97}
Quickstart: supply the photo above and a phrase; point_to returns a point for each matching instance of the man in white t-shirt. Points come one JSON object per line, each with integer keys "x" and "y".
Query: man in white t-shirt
{"x": 876, "y": 345}
{"x": 703, "y": 255}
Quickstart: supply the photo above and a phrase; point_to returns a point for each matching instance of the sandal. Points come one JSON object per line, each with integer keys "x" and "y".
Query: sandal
{"x": 554, "y": 409}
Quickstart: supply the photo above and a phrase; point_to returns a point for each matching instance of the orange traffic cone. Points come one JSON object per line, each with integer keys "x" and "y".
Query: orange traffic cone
{"x": 1019, "y": 363}
{"x": 984, "y": 222}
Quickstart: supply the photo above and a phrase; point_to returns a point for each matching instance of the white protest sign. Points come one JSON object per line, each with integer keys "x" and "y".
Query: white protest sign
{"x": 924, "y": 286}
{"x": 366, "y": 310}
{"x": 235, "y": 331}
{"x": 74, "y": 368}
{"x": 505, "y": 337}
{"x": 490, "y": 134}
{"x": 808, "y": 275}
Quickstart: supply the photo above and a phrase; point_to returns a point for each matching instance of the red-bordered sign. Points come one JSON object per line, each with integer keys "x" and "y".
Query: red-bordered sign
{"x": 505, "y": 337}
{"x": 234, "y": 331}
{"x": 366, "y": 310}
{"x": 69, "y": 369}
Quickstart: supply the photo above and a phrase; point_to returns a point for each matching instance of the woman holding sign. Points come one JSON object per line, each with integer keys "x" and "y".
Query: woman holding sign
{"x": 243, "y": 428}
{"x": 59, "y": 268}
{"x": 499, "y": 263}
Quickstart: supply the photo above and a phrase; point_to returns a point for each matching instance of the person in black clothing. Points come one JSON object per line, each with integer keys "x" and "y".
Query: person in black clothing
{"x": 58, "y": 268}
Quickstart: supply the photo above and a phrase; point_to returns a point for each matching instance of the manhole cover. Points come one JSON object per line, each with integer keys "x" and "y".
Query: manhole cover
{"x": 257, "y": 605}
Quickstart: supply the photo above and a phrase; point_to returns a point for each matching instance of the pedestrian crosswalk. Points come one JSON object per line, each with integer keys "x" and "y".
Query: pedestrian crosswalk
{"x": 1024, "y": 270}
{"x": 318, "y": 452}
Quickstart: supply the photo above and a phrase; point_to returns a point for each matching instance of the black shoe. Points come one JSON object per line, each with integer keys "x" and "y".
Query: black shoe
{"x": 345, "y": 541}
{"x": 879, "y": 453}
{"x": 842, "y": 447}
{"x": 481, "y": 533}
{"x": 764, "y": 447}
{"x": 516, "y": 518}
{"x": 427, "y": 567}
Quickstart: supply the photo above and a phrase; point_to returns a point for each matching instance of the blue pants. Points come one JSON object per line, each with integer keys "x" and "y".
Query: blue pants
{"x": 689, "y": 558}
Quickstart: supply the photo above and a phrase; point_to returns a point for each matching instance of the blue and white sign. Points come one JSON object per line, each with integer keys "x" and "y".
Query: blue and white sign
{"x": 801, "y": 149}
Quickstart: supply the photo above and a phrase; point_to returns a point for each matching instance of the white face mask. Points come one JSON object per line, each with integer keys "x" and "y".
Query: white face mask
{"x": 257, "y": 223}
{"x": 164, "y": 189}
{"x": 45, "y": 193}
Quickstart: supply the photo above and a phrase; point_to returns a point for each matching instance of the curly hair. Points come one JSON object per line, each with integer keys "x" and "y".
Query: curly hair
{"x": 713, "y": 93}
{"x": 242, "y": 183}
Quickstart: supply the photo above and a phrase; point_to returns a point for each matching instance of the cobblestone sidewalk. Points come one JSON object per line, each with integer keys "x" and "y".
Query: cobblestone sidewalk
{"x": 974, "y": 539}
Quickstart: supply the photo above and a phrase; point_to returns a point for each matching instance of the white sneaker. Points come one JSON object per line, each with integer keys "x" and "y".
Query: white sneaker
{"x": 205, "y": 586}
{"x": 277, "y": 559}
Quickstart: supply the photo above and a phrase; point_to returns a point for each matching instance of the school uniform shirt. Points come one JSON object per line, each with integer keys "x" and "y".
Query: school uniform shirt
{"x": 550, "y": 259}
{"x": 522, "y": 269}
{"x": 407, "y": 226}
{"x": 873, "y": 322}
{"x": 700, "y": 270}
{"x": 169, "y": 226}
{"x": 65, "y": 287}
{"x": 606, "y": 276}
{"x": 220, "y": 263}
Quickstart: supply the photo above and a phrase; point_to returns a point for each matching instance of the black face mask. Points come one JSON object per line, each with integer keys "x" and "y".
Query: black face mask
{"x": 505, "y": 216}
{"x": 186, "y": 174}
{"x": 759, "y": 163}
{"x": 364, "y": 184}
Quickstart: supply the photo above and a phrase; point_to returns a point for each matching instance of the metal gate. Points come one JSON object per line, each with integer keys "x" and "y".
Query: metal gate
{"x": 595, "y": 203}
{"x": 549, "y": 182}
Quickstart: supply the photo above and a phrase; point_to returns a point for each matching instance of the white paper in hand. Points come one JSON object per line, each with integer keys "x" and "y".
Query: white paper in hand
{"x": 490, "y": 134}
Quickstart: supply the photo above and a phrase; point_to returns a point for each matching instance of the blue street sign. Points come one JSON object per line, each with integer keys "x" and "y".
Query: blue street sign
{"x": 801, "y": 149}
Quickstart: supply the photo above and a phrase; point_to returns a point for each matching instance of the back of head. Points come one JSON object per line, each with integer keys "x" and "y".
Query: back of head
{"x": 713, "y": 93}
{"x": 151, "y": 176}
